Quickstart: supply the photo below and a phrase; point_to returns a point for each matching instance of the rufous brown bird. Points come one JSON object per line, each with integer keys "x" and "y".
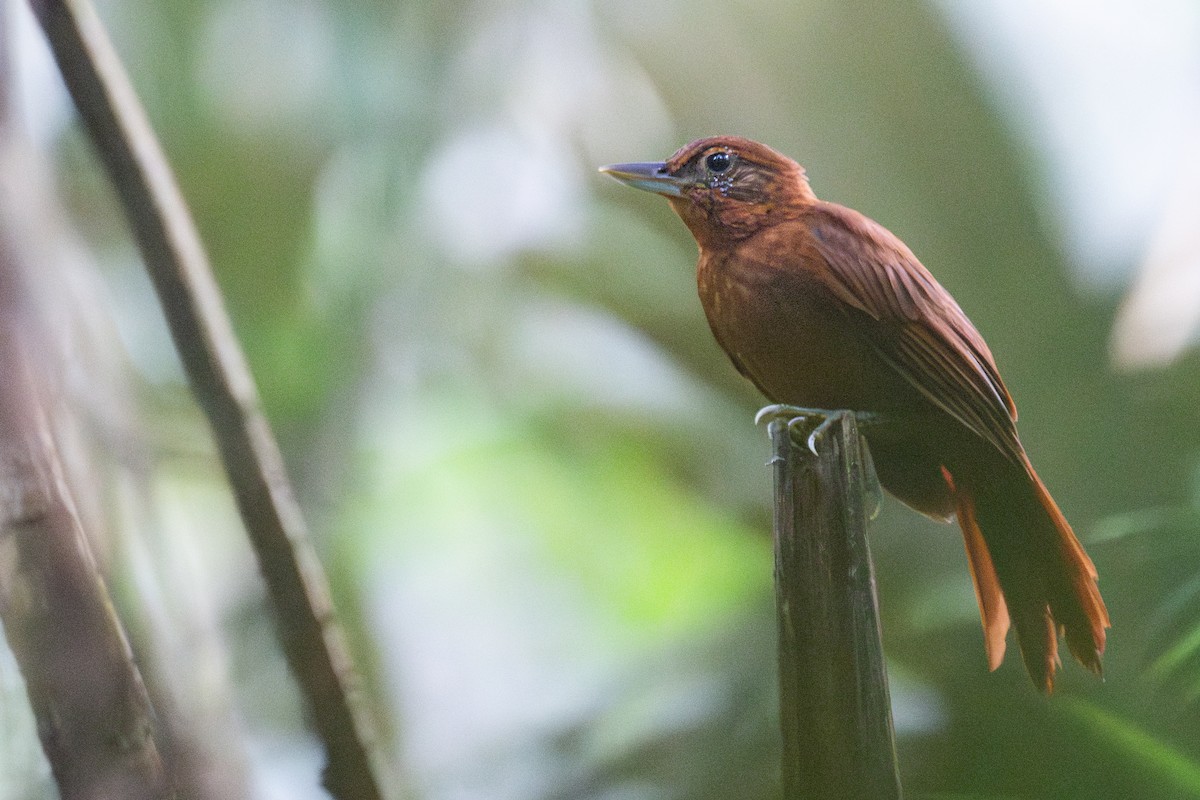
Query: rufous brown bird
{"x": 821, "y": 307}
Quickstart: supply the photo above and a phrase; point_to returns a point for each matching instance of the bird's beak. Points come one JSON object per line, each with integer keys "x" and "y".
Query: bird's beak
{"x": 650, "y": 176}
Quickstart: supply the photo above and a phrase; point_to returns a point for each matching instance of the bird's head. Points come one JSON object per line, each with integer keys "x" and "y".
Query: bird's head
{"x": 725, "y": 188}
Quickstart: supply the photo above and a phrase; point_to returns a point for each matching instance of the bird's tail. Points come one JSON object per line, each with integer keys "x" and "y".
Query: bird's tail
{"x": 1028, "y": 566}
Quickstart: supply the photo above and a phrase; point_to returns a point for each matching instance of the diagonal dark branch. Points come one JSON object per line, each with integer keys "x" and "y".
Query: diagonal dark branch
{"x": 95, "y": 720}
{"x": 221, "y": 381}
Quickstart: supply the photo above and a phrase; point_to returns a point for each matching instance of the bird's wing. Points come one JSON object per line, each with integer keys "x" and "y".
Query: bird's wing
{"x": 913, "y": 323}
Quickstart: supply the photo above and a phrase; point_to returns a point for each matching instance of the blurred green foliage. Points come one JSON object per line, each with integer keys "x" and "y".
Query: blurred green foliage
{"x": 534, "y": 476}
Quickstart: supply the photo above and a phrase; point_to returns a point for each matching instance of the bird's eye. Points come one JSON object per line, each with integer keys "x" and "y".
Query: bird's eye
{"x": 718, "y": 162}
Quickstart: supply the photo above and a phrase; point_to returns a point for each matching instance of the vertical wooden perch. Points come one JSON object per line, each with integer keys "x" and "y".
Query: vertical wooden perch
{"x": 835, "y": 712}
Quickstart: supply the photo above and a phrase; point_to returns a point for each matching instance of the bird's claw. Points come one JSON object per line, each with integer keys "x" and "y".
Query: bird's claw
{"x": 777, "y": 411}
{"x": 799, "y": 419}
{"x": 822, "y": 426}
{"x": 808, "y": 423}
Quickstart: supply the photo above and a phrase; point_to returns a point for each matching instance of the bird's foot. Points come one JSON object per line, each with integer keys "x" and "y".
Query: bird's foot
{"x": 810, "y": 423}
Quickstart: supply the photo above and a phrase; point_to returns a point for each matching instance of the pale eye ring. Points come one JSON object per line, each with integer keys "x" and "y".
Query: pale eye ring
{"x": 718, "y": 162}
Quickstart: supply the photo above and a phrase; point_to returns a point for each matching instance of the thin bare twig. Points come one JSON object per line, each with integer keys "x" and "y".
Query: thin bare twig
{"x": 221, "y": 381}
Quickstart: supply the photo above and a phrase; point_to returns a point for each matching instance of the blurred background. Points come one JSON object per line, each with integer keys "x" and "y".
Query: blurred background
{"x": 533, "y": 477}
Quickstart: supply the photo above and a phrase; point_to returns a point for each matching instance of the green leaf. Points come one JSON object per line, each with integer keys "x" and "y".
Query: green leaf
{"x": 1141, "y": 749}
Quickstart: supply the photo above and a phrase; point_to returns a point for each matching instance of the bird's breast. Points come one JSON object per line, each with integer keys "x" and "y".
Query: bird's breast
{"x": 787, "y": 332}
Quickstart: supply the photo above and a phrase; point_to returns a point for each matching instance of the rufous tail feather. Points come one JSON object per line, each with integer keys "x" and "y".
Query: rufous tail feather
{"x": 1028, "y": 566}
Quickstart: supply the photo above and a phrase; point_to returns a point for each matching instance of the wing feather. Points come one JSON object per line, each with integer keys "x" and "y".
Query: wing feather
{"x": 914, "y": 324}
